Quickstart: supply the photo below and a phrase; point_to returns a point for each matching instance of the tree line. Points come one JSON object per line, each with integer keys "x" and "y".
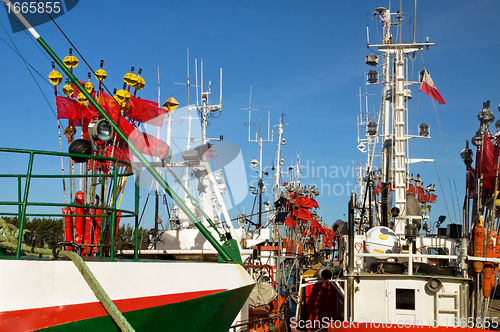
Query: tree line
{"x": 46, "y": 232}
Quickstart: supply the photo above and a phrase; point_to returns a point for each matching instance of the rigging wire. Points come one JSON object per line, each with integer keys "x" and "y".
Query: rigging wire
{"x": 449, "y": 167}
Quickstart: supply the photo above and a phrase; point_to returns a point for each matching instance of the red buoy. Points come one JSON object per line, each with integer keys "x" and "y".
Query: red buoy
{"x": 68, "y": 226}
{"x": 79, "y": 225}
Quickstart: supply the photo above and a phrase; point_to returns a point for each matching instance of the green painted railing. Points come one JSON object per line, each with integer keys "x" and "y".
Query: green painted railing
{"x": 23, "y": 203}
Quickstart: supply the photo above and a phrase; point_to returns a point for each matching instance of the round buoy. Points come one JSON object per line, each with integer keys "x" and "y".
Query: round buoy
{"x": 80, "y": 146}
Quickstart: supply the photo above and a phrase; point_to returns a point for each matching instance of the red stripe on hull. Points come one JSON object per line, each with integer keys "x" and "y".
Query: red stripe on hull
{"x": 39, "y": 318}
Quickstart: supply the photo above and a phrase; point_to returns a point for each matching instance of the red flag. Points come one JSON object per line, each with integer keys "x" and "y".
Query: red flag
{"x": 316, "y": 227}
{"x": 471, "y": 176}
{"x": 144, "y": 110}
{"x": 71, "y": 109}
{"x": 423, "y": 198}
{"x": 419, "y": 190}
{"x": 432, "y": 198}
{"x": 429, "y": 87}
{"x": 487, "y": 162}
{"x": 290, "y": 222}
{"x": 307, "y": 202}
{"x": 411, "y": 189}
{"x": 377, "y": 188}
{"x": 108, "y": 103}
{"x": 302, "y": 213}
{"x": 146, "y": 143}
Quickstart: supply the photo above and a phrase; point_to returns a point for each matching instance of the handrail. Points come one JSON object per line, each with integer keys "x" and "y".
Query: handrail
{"x": 23, "y": 203}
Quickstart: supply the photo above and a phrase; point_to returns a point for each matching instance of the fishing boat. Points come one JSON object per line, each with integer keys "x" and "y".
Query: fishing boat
{"x": 95, "y": 289}
{"x": 393, "y": 269}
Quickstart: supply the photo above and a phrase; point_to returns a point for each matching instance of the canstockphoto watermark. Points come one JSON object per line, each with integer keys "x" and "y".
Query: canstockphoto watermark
{"x": 37, "y": 12}
{"x": 331, "y": 180}
{"x": 327, "y": 322}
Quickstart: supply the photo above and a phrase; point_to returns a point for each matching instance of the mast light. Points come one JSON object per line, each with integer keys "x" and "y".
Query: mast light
{"x": 371, "y": 128}
{"x": 101, "y": 130}
{"x": 423, "y": 130}
{"x": 371, "y": 60}
{"x": 485, "y": 116}
{"x": 477, "y": 139}
{"x": 372, "y": 76}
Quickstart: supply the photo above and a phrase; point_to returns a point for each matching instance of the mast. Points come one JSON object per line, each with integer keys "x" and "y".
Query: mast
{"x": 254, "y": 163}
{"x": 395, "y": 97}
{"x": 277, "y": 171}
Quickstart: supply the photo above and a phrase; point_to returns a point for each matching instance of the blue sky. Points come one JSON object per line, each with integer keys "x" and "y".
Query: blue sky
{"x": 303, "y": 58}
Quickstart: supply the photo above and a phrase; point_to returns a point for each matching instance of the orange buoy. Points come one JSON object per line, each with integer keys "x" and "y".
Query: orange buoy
{"x": 495, "y": 271}
{"x": 88, "y": 235}
{"x": 479, "y": 244}
{"x": 488, "y": 266}
{"x": 97, "y": 229}
{"x": 79, "y": 225}
{"x": 68, "y": 226}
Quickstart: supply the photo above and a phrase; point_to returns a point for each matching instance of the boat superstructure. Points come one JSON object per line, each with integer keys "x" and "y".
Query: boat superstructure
{"x": 392, "y": 268}
{"x": 97, "y": 290}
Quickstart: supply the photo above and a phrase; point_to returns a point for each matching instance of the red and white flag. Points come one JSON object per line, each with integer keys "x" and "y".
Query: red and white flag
{"x": 429, "y": 87}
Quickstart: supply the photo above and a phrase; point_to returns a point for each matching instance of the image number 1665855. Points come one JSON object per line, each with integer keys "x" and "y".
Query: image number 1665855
{"x": 33, "y": 7}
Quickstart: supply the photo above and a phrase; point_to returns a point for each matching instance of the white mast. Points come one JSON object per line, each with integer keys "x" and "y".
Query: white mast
{"x": 397, "y": 91}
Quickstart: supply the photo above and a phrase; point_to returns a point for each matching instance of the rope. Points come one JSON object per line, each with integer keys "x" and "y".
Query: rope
{"x": 8, "y": 240}
{"x": 99, "y": 292}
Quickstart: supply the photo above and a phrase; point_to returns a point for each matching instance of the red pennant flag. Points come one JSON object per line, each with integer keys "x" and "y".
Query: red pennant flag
{"x": 144, "y": 110}
{"x": 487, "y": 162}
{"x": 316, "y": 227}
{"x": 377, "y": 188}
{"x": 290, "y": 222}
{"x": 419, "y": 190}
{"x": 71, "y": 109}
{"x": 471, "y": 176}
{"x": 429, "y": 87}
{"x": 432, "y": 198}
{"x": 307, "y": 202}
{"x": 302, "y": 213}
{"x": 411, "y": 189}
{"x": 146, "y": 143}
{"x": 422, "y": 198}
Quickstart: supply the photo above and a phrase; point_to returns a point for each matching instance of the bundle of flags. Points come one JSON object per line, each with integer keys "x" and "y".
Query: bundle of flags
{"x": 487, "y": 158}
{"x": 135, "y": 109}
{"x": 417, "y": 190}
{"x": 300, "y": 210}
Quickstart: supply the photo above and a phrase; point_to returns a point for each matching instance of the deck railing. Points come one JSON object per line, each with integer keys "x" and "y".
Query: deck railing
{"x": 23, "y": 202}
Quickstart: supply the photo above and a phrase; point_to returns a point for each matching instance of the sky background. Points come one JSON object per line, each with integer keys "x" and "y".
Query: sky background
{"x": 303, "y": 59}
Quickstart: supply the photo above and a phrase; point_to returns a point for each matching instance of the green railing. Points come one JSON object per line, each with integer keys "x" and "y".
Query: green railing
{"x": 23, "y": 203}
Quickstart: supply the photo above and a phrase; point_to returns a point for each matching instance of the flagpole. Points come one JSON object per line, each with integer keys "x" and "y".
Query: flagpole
{"x": 226, "y": 255}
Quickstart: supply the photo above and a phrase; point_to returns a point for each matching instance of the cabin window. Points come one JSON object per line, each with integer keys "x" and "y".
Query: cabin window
{"x": 405, "y": 299}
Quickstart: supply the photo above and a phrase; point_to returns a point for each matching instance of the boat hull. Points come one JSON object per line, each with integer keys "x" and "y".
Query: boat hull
{"x": 53, "y": 296}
